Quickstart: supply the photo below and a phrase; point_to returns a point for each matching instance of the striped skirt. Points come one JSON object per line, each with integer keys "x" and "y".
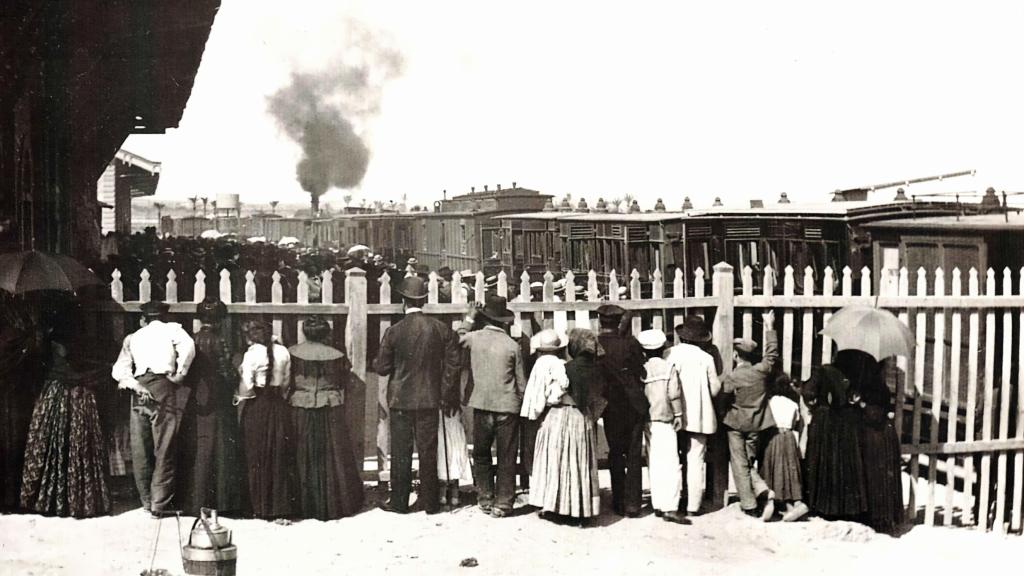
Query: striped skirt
{"x": 564, "y": 479}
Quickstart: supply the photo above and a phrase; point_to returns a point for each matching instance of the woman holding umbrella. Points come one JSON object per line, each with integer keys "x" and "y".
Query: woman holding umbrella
{"x": 853, "y": 453}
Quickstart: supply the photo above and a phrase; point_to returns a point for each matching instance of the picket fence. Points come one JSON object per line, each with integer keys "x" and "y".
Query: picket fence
{"x": 943, "y": 392}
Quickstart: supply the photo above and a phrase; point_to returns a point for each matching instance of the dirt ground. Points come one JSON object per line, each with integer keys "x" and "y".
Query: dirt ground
{"x": 722, "y": 543}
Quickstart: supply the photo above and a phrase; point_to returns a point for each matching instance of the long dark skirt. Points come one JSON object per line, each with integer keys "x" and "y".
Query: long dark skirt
{"x": 330, "y": 485}
{"x": 835, "y": 475}
{"x": 269, "y": 441}
{"x": 881, "y": 451}
{"x": 65, "y": 458}
{"x": 212, "y": 463}
{"x": 780, "y": 466}
{"x": 16, "y": 400}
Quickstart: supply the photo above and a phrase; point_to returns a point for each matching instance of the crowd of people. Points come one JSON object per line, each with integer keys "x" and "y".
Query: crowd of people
{"x": 263, "y": 432}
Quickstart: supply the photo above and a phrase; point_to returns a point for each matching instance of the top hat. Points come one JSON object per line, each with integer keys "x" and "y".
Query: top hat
{"x": 496, "y": 308}
{"x": 693, "y": 329}
{"x": 154, "y": 308}
{"x": 652, "y": 339}
{"x": 610, "y": 310}
{"x": 413, "y": 287}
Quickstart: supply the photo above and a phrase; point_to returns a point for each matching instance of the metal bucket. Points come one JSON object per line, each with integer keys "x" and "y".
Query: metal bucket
{"x": 209, "y": 551}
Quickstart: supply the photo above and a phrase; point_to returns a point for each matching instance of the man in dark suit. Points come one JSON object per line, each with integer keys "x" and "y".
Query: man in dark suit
{"x": 623, "y": 363}
{"x": 420, "y": 356}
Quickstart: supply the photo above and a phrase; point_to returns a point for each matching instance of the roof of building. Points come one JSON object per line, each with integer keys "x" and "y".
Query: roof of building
{"x": 978, "y": 222}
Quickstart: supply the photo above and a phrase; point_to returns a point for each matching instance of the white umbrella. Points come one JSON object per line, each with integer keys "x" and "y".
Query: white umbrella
{"x": 211, "y": 234}
{"x": 256, "y": 239}
{"x": 871, "y": 330}
{"x": 287, "y": 241}
{"x": 358, "y": 248}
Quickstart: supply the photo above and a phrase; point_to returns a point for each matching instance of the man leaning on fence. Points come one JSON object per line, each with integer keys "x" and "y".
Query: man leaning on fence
{"x": 153, "y": 363}
{"x": 420, "y": 357}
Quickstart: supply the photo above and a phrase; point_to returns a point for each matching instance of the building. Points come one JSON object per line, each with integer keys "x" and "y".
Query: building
{"x": 127, "y": 176}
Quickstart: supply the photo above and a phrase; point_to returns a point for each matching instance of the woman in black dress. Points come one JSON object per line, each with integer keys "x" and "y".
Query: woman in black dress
{"x": 210, "y": 438}
{"x": 330, "y": 484}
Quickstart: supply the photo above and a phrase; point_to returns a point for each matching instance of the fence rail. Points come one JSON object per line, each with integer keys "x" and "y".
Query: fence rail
{"x": 959, "y": 405}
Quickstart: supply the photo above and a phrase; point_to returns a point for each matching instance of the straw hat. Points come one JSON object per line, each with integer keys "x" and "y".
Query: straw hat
{"x": 547, "y": 341}
{"x": 652, "y": 339}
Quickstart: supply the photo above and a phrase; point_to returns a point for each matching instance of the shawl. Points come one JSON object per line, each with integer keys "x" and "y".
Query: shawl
{"x": 547, "y": 383}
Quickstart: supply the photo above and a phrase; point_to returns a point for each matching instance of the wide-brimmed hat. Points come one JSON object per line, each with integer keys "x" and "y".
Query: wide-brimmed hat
{"x": 548, "y": 341}
{"x": 693, "y": 329}
{"x": 496, "y": 308}
{"x": 610, "y": 310}
{"x": 652, "y": 339}
{"x": 413, "y": 287}
{"x": 154, "y": 308}
{"x": 445, "y": 272}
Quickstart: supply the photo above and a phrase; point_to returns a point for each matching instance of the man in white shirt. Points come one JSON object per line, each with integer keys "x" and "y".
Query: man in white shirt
{"x": 153, "y": 363}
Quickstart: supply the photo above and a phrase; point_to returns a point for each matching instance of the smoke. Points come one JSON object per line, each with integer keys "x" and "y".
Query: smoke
{"x": 326, "y": 112}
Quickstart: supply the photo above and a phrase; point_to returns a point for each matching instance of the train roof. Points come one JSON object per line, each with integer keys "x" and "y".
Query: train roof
{"x": 839, "y": 210}
{"x": 996, "y": 222}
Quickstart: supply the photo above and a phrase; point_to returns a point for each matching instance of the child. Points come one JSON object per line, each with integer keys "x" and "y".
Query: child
{"x": 748, "y": 417}
{"x": 453, "y": 462}
{"x": 780, "y": 466}
{"x": 665, "y": 394}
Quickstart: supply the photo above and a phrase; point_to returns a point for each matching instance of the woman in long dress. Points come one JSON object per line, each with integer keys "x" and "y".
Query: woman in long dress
{"x": 65, "y": 457}
{"x": 210, "y": 437}
{"x": 267, "y": 431}
{"x": 564, "y": 479}
{"x": 330, "y": 484}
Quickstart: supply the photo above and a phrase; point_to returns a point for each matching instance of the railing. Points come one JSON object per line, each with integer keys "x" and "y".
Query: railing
{"x": 968, "y": 368}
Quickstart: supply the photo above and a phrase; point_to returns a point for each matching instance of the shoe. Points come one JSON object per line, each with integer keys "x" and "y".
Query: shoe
{"x": 769, "y": 508}
{"x": 389, "y": 507}
{"x": 658, "y": 514}
{"x": 753, "y": 513}
{"x": 157, "y": 514}
{"x": 432, "y": 511}
{"x": 486, "y": 508}
{"x": 694, "y": 514}
{"x": 675, "y": 518}
{"x": 499, "y": 512}
{"x": 632, "y": 513}
{"x": 798, "y": 511}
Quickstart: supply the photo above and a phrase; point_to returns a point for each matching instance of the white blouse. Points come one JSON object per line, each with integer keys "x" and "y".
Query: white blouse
{"x": 547, "y": 383}
{"x": 785, "y": 412}
{"x": 255, "y": 369}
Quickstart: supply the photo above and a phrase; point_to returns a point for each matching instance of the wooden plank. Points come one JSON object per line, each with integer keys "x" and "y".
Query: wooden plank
{"x": 1004, "y": 407}
{"x": 383, "y": 411}
{"x": 920, "y": 324}
{"x": 807, "y": 331}
{"x": 768, "y": 288}
{"x": 902, "y": 288}
{"x": 502, "y": 285}
{"x": 954, "y": 396}
{"x": 276, "y": 298}
{"x": 788, "y": 286}
{"x": 355, "y": 343}
{"x": 938, "y": 357}
{"x": 889, "y": 302}
{"x": 171, "y": 289}
{"x": 972, "y": 396}
{"x": 827, "y": 288}
{"x": 593, "y": 295}
{"x": 579, "y": 318}
{"x": 634, "y": 296}
{"x": 145, "y": 287}
{"x": 678, "y": 293}
{"x": 748, "y": 290}
{"x": 1018, "y": 457}
{"x": 525, "y": 295}
{"x": 302, "y": 299}
{"x": 225, "y": 286}
{"x": 250, "y": 287}
{"x": 988, "y": 415}
{"x": 657, "y": 293}
{"x": 966, "y": 447}
{"x": 698, "y": 287}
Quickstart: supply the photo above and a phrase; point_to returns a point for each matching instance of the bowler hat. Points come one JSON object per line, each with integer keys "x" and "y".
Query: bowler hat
{"x": 496, "y": 308}
{"x": 413, "y": 287}
{"x": 154, "y": 308}
{"x": 652, "y": 339}
{"x": 693, "y": 329}
{"x": 610, "y": 310}
{"x": 744, "y": 345}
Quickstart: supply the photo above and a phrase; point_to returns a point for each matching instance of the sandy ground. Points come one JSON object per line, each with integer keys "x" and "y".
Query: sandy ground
{"x": 722, "y": 543}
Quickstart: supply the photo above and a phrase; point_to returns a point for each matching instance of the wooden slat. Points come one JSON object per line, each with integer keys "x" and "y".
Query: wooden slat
{"x": 1004, "y": 406}
{"x": 593, "y": 295}
{"x": 580, "y": 318}
{"x": 807, "y": 332}
{"x": 954, "y": 396}
{"x": 548, "y": 295}
{"x": 1018, "y": 458}
{"x": 634, "y": 295}
{"x": 788, "y": 287}
{"x": 225, "y": 286}
{"x": 748, "y": 290}
{"x": 769, "y": 287}
{"x": 972, "y": 396}
{"x": 903, "y": 289}
{"x": 613, "y": 286}
{"x": 171, "y": 289}
{"x": 116, "y": 286}
{"x": 524, "y": 296}
{"x": 432, "y": 287}
{"x": 250, "y": 287}
{"x": 356, "y": 348}
{"x": 480, "y": 287}
{"x": 920, "y": 325}
{"x": 145, "y": 288}
{"x": 865, "y": 281}
{"x": 276, "y": 297}
{"x": 698, "y": 287}
{"x": 889, "y": 302}
{"x": 827, "y": 289}
{"x": 938, "y": 357}
{"x": 302, "y": 299}
{"x": 678, "y": 292}
{"x": 502, "y": 285}
{"x": 657, "y": 293}
{"x": 382, "y": 411}
{"x": 966, "y": 447}
{"x": 988, "y": 415}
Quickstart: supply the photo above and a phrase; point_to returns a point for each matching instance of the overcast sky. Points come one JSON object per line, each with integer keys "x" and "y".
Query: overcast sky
{"x": 656, "y": 99}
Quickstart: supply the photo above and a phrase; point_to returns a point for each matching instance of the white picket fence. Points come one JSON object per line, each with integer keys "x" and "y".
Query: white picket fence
{"x": 942, "y": 390}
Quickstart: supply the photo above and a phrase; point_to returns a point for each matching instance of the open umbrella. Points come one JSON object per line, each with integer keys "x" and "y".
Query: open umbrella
{"x": 358, "y": 248}
{"x": 31, "y": 271}
{"x": 871, "y": 330}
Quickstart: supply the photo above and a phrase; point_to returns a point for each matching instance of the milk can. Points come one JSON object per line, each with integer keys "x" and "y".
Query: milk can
{"x": 209, "y": 550}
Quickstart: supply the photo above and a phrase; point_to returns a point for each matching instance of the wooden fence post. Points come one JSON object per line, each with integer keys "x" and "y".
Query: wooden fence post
{"x": 970, "y": 420}
{"x": 355, "y": 342}
{"x": 938, "y": 363}
{"x": 1004, "y": 406}
{"x": 382, "y": 413}
{"x": 722, "y": 334}
{"x": 634, "y": 294}
{"x": 956, "y": 327}
{"x": 1018, "y": 456}
{"x": 987, "y": 421}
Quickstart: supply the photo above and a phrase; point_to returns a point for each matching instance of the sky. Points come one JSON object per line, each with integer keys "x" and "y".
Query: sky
{"x": 738, "y": 100}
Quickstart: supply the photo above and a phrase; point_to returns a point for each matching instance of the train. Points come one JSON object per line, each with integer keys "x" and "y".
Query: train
{"x": 518, "y": 230}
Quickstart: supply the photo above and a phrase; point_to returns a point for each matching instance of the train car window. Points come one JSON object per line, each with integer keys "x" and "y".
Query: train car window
{"x": 699, "y": 256}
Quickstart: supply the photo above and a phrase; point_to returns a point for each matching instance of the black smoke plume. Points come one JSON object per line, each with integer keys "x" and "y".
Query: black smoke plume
{"x": 325, "y": 112}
